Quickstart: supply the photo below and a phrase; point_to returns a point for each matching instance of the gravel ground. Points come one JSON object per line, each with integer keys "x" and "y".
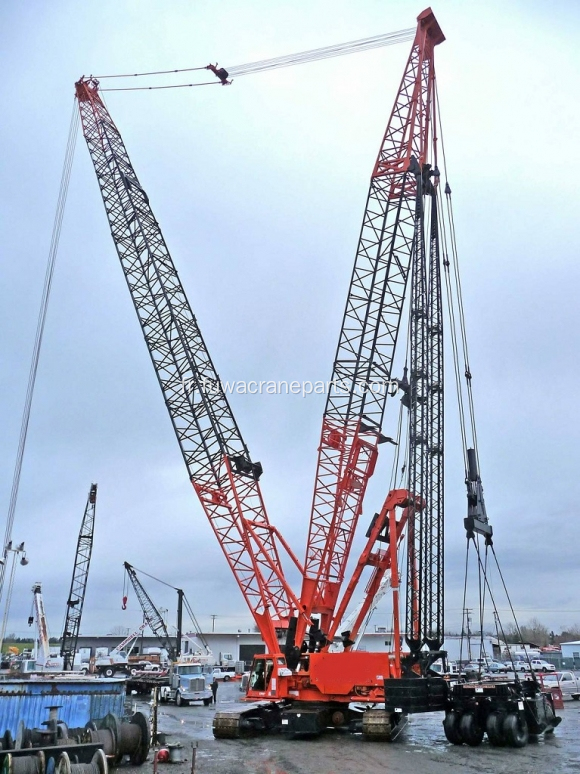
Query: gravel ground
{"x": 421, "y": 749}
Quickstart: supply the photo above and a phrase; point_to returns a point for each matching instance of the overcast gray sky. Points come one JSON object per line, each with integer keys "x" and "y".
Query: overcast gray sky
{"x": 259, "y": 189}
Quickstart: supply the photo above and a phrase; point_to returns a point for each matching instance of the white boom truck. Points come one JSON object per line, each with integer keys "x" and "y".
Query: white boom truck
{"x": 117, "y": 660}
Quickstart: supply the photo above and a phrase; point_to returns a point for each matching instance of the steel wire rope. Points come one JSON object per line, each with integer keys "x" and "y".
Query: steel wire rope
{"x": 492, "y": 597}
{"x": 153, "y": 72}
{"x": 157, "y": 88}
{"x": 401, "y": 556}
{"x": 518, "y": 630}
{"x": 327, "y": 52}
{"x": 459, "y": 292}
{"x": 453, "y": 338}
{"x": 195, "y": 622}
{"x": 274, "y": 63}
{"x": 155, "y": 579}
{"x": 451, "y": 313}
{"x": 469, "y": 389}
{"x": 454, "y": 299}
{"x": 395, "y": 465}
{"x": 52, "y": 254}
{"x": 481, "y": 575}
{"x": 463, "y": 613}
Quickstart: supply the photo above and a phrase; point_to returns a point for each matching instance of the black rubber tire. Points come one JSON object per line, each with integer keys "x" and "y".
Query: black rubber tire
{"x": 515, "y": 730}
{"x": 575, "y": 696}
{"x": 226, "y": 678}
{"x": 178, "y": 700}
{"x": 206, "y": 702}
{"x": 109, "y": 672}
{"x": 494, "y": 729}
{"x": 471, "y": 729}
{"x": 451, "y": 728}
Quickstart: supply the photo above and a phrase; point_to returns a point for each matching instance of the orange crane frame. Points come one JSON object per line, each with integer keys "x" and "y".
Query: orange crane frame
{"x": 222, "y": 472}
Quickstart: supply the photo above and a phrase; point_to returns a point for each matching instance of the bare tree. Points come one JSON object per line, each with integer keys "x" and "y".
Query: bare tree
{"x": 532, "y": 631}
{"x": 119, "y": 631}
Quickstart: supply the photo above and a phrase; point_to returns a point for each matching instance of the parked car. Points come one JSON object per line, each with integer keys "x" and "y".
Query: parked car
{"x": 516, "y": 666}
{"x": 224, "y": 673}
{"x": 452, "y": 668}
{"x": 495, "y": 667}
{"x": 539, "y": 665}
{"x": 568, "y": 683}
{"x": 154, "y": 668}
{"x": 473, "y": 669}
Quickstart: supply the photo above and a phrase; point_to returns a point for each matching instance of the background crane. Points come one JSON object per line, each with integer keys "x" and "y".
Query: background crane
{"x": 182, "y": 602}
{"x": 78, "y": 586}
{"x": 154, "y": 617}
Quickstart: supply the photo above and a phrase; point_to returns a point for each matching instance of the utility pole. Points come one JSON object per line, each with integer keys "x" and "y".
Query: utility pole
{"x": 213, "y": 622}
{"x": 179, "y": 622}
{"x": 467, "y": 618}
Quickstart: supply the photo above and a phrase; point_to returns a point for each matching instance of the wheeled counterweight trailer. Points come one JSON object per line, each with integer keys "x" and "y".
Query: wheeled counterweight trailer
{"x": 507, "y": 711}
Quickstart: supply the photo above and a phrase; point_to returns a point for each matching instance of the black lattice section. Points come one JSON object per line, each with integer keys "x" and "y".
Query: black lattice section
{"x": 352, "y": 424}
{"x": 199, "y": 410}
{"x": 78, "y": 587}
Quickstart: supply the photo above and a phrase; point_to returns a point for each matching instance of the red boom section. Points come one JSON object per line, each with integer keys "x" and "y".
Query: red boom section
{"x": 351, "y": 429}
{"x": 386, "y": 529}
{"x": 217, "y": 459}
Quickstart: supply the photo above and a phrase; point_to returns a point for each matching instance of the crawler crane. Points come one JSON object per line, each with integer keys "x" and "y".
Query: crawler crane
{"x": 300, "y": 686}
{"x": 78, "y": 587}
{"x": 153, "y": 617}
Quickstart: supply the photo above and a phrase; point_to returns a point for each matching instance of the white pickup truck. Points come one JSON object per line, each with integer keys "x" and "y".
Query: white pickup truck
{"x": 568, "y": 683}
{"x": 224, "y": 673}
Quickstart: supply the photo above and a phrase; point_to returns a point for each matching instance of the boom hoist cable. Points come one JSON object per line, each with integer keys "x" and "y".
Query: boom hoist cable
{"x": 288, "y": 60}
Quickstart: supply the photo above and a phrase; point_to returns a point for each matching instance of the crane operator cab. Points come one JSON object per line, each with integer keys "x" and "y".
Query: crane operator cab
{"x": 261, "y": 674}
